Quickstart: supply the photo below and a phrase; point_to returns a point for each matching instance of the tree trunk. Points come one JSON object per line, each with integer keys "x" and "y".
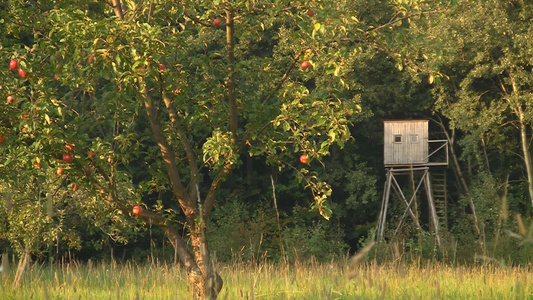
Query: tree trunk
{"x": 210, "y": 284}
{"x": 117, "y": 8}
{"x": 230, "y": 84}
{"x": 527, "y": 154}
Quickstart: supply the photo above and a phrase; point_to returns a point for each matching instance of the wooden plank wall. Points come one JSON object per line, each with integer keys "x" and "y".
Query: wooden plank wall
{"x": 406, "y": 152}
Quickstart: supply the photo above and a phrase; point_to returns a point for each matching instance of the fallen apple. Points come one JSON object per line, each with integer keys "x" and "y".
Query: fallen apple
{"x": 305, "y": 64}
{"x": 59, "y": 171}
{"x": 217, "y": 23}
{"x": 10, "y": 99}
{"x": 304, "y": 159}
{"x": 74, "y": 186}
{"x": 310, "y": 13}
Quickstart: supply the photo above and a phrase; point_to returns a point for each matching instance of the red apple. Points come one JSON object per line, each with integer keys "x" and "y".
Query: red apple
{"x": 22, "y": 73}
{"x": 161, "y": 67}
{"x": 70, "y": 147}
{"x": 56, "y": 77}
{"x": 304, "y": 159}
{"x": 91, "y": 154}
{"x": 91, "y": 58}
{"x": 13, "y": 64}
{"x": 10, "y": 99}
{"x": 305, "y": 64}
{"x": 310, "y": 13}
{"x": 67, "y": 158}
{"x": 59, "y": 171}
{"x": 74, "y": 186}
{"x": 137, "y": 210}
{"x": 216, "y": 23}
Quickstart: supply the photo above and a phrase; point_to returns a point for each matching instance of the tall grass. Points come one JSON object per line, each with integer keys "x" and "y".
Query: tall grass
{"x": 310, "y": 280}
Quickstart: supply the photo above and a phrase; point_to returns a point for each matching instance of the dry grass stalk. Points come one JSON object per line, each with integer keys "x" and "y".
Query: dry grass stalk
{"x": 357, "y": 258}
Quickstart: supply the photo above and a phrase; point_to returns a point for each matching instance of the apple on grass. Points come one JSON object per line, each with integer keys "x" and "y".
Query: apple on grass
{"x": 305, "y": 64}
{"x": 10, "y": 99}
{"x": 217, "y": 23}
{"x": 310, "y": 13}
{"x": 59, "y": 171}
{"x": 304, "y": 159}
{"x": 137, "y": 210}
{"x": 74, "y": 186}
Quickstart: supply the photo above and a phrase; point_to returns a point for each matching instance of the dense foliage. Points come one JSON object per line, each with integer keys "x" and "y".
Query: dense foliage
{"x": 255, "y": 127}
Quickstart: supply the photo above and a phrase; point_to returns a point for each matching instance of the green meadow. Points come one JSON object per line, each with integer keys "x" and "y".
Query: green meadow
{"x": 310, "y": 280}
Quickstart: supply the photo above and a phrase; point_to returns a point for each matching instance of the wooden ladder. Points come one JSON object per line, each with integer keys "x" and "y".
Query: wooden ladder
{"x": 440, "y": 196}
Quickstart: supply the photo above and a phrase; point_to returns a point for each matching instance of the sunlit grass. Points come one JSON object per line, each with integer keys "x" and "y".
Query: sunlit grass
{"x": 272, "y": 281}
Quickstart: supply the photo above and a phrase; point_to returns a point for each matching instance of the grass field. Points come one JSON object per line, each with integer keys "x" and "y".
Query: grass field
{"x": 272, "y": 281}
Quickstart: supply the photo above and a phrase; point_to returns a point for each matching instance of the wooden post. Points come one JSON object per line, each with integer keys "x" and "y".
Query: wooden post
{"x": 384, "y": 203}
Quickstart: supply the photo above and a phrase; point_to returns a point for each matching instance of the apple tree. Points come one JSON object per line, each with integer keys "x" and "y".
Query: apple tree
{"x": 129, "y": 98}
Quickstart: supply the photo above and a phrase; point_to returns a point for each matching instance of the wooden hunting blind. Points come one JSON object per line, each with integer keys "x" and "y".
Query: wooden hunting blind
{"x": 406, "y": 142}
{"x": 409, "y": 151}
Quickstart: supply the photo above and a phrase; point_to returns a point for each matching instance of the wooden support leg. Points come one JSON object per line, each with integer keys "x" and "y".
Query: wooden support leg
{"x": 384, "y": 204}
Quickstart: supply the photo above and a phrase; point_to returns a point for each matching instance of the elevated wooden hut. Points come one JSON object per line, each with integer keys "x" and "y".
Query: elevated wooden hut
{"x": 407, "y": 151}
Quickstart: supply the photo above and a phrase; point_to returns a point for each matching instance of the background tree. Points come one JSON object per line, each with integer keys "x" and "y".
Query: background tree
{"x": 162, "y": 101}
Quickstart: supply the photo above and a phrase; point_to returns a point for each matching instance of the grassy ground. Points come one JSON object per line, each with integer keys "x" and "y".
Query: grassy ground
{"x": 271, "y": 281}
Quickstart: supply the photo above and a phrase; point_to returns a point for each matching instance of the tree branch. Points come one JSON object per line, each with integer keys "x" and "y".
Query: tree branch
{"x": 187, "y": 205}
{"x": 117, "y": 8}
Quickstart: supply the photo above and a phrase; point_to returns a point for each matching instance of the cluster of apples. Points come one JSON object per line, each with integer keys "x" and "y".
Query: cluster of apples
{"x": 14, "y": 65}
{"x": 68, "y": 158}
{"x": 306, "y": 64}
{"x": 304, "y": 159}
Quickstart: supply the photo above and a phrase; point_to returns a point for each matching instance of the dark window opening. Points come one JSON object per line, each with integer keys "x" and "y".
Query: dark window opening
{"x": 397, "y": 138}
